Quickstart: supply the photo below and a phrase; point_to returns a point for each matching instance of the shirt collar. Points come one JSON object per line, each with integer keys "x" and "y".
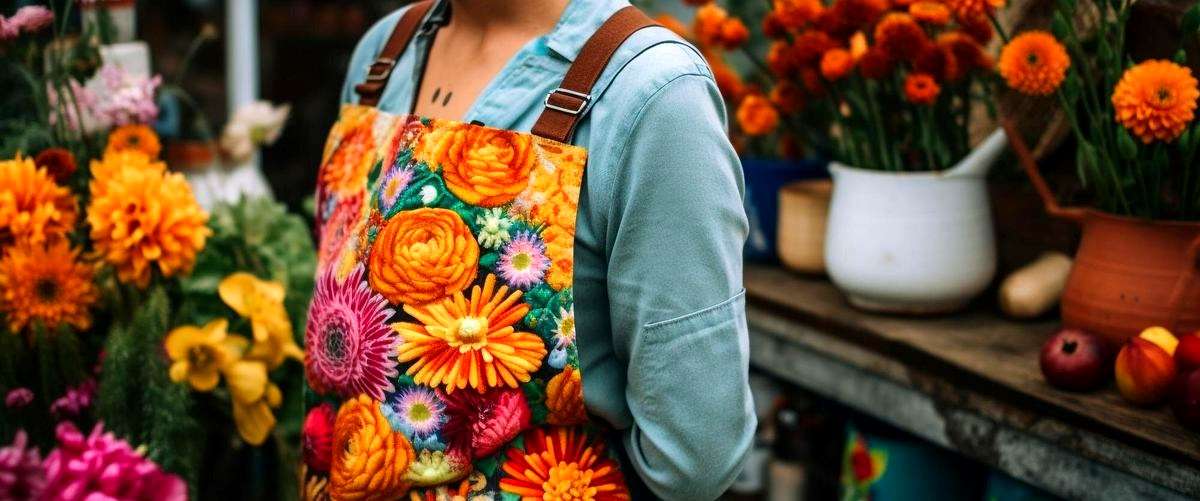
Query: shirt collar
{"x": 579, "y": 20}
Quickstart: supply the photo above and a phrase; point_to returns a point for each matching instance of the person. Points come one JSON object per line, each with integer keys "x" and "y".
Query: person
{"x": 659, "y": 311}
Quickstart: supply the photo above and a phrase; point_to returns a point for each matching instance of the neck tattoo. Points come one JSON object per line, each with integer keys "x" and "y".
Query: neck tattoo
{"x": 445, "y": 100}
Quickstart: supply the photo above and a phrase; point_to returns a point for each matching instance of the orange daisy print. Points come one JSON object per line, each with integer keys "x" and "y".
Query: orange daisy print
{"x": 562, "y": 463}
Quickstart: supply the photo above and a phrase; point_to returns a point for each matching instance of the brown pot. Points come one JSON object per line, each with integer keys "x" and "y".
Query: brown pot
{"x": 803, "y": 209}
{"x": 1129, "y": 274}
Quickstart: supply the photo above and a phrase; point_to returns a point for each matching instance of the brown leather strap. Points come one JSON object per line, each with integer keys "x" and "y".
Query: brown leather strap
{"x": 566, "y": 104}
{"x": 380, "y": 71}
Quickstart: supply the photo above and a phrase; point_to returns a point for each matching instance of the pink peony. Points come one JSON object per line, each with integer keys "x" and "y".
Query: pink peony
{"x": 21, "y": 473}
{"x": 18, "y": 398}
{"x": 101, "y": 466}
{"x": 126, "y": 98}
{"x": 75, "y": 401}
{"x": 32, "y": 18}
{"x": 484, "y": 422}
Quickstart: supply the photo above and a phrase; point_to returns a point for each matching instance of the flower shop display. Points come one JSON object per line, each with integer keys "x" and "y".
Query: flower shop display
{"x": 1133, "y": 126}
{"x": 803, "y": 210}
{"x": 168, "y": 332}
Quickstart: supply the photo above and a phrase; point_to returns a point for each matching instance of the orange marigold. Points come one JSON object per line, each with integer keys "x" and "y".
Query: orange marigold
{"x": 876, "y": 64}
{"x": 930, "y": 11}
{"x": 795, "y": 14}
{"x": 47, "y": 284}
{"x": 920, "y": 88}
{"x": 756, "y": 116}
{"x": 900, "y": 36}
{"x": 781, "y": 59}
{"x": 562, "y": 463}
{"x": 939, "y": 62}
{"x": 463, "y": 342}
{"x": 980, "y": 28}
{"x": 483, "y": 166}
{"x": 142, "y": 216}
{"x": 787, "y": 97}
{"x": 369, "y": 459}
{"x": 708, "y": 23}
{"x": 136, "y": 137}
{"x": 773, "y": 27}
{"x": 810, "y": 46}
{"x": 423, "y": 255}
{"x": 836, "y": 63}
{"x": 564, "y": 398}
{"x": 1034, "y": 63}
{"x": 1156, "y": 100}
{"x": 968, "y": 53}
{"x": 853, "y": 15}
{"x": 968, "y": 9}
{"x": 734, "y": 33}
{"x": 33, "y": 209}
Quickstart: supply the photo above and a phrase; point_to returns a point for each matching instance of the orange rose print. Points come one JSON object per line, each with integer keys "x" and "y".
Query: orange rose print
{"x": 564, "y": 398}
{"x": 423, "y": 255}
{"x": 369, "y": 459}
{"x": 350, "y": 154}
{"x": 482, "y": 166}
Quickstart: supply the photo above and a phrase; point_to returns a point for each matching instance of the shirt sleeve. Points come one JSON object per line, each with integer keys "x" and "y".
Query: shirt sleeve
{"x": 368, "y": 47}
{"x": 675, "y": 288}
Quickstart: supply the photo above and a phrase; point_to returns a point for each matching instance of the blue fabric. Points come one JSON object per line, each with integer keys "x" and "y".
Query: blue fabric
{"x": 658, "y": 250}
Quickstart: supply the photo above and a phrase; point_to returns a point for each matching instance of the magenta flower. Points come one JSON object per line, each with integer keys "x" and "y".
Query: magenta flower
{"x": 482, "y": 423}
{"x": 351, "y": 348}
{"x": 32, "y": 18}
{"x": 75, "y": 401}
{"x": 523, "y": 261}
{"x": 21, "y": 473}
{"x": 18, "y": 398}
{"x": 101, "y": 466}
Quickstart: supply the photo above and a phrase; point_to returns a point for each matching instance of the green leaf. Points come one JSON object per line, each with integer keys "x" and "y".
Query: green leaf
{"x": 1066, "y": 5}
{"x": 1180, "y": 57}
{"x": 1086, "y": 162}
{"x": 1126, "y": 145}
{"x": 1060, "y": 27}
{"x": 1191, "y": 21}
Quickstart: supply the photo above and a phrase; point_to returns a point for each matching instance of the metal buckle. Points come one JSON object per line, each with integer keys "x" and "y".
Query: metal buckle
{"x": 584, "y": 99}
{"x": 384, "y": 73}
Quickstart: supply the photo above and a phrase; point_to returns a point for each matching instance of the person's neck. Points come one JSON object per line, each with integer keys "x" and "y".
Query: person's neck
{"x": 501, "y": 17}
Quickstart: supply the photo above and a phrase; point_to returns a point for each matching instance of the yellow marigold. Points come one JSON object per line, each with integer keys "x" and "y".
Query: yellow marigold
{"x": 1156, "y": 100}
{"x": 142, "y": 216}
{"x": 836, "y": 63}
{"x": 920, "y": 88}
{"x": 369, "y": 459}
{"x": 33, "y": 209}
{"x": 930, "y": 11}
{"x": 134, "y": 137}
{"x": 756, "y": 115}
{"x": 1034, "y": 63}
{"x": 564, "y": 398}
{"x": 423, "y": 255}
{"x": 481, "y": 165}
{"x": 463, "y": 342}
{"x": 45, "y": 283}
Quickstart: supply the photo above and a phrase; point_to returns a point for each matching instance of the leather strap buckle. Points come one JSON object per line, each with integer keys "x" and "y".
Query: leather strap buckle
{"x": 583, "y": 101}
{"x": 383, "y": 73}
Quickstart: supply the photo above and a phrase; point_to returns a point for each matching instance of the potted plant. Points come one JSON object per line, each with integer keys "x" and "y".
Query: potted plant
{"x": 1133, "y": 124}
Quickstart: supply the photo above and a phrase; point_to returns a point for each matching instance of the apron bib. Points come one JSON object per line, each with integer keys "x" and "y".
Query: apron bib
{"x": 441, "y": 360}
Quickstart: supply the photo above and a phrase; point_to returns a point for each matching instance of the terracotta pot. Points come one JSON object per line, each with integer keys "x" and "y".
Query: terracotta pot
{"x": 803, "y": 210}
{"x": 1129, "y": 274}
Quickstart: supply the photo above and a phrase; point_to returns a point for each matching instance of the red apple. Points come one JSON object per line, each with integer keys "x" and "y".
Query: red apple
{"x": 1187, "y": 354}
{"x": 1074, "y": 360}
{"x": 1185, "y": 399}
{"x": 1144, "y": 371}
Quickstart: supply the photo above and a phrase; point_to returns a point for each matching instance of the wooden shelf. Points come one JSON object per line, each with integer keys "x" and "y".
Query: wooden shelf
{"x": 966, "y": 381}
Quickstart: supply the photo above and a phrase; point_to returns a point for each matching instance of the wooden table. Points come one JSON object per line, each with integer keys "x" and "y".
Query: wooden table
{"x": 969, "y": 382}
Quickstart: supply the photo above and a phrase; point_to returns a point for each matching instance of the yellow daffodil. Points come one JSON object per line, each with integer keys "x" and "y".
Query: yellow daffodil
{"x": 261, "y": 302}
{"x": 253, "y": 395}
{"x": 198, "y": 354}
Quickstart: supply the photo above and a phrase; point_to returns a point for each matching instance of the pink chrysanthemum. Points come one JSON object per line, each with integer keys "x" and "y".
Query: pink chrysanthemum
{"x": 416, "y": 411}
{"x": 523, "y": 262}
{"x": 21, "y": 473}
{"x": 101, "y": 466}
{"x": 18, "y": 398}
{"x": 76, "y": 400}
{"x": 351, "y": 348}
{"x": 484, "y": 422}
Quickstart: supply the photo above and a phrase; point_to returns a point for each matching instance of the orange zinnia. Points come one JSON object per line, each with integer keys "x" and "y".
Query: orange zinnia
{"x": 920, "y": 88}
{"x": 836, "y": 63}
{"x": 482, "y": 166}
{"x": 463, "y": 342}
{"x": 756, "y": 115}
{"x": 48, "y": 284}
{"x": 900, "y": 36}
{"x": 928, "y": 11}
{"x": 1034, "y": 63}
{"x": 369, "y": 459}
{"x": 134, "y": 137}
{"x": 562, "y": 463}
{"x": 33, "y": 208}
{"x": 564, "y": 398}
{"x": 423, "y": 255}
{"x": 1156, "y": 100}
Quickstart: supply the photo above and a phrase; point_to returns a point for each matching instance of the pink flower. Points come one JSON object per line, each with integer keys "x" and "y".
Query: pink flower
{"x": 351, "y": 348}
{"x": 70, "y": 109}
{"x": 523, "y": 261}
{"x": 9, "y": 29}
{"x": 101, "y": 466}
{"x": 18, "y": 398}
{"x": 75, "y": 401}
{"x": 484, "y": 422}
{"x": 32, "y": 18}
{"x": 21, "y": 473}
{"x": 126, "y": 98}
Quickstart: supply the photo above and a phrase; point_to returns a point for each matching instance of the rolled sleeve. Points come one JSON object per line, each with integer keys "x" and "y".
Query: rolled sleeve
{"x": 675, "y": 286}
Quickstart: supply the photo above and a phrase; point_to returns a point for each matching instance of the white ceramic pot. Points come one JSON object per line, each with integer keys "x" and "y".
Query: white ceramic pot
{"x": 913, "y": 242}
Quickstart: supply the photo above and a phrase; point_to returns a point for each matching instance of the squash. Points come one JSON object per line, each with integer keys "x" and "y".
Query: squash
{"x": 1036, "y": 287}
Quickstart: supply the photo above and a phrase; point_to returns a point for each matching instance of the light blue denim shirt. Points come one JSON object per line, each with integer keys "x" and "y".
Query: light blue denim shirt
{"x": 660, "y": 311}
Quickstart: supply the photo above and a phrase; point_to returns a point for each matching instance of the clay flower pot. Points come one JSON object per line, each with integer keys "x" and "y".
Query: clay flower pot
{"x": 803, "y": 210}
{"x": 1129, "y": 273}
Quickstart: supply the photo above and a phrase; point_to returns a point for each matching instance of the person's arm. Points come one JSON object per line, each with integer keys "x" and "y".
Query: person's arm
{"x": 676, "y": 230}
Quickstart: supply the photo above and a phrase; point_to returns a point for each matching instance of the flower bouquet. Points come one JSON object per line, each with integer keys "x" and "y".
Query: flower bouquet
{"x": 1133, "y": 124}
{"x": 164, "y": 332}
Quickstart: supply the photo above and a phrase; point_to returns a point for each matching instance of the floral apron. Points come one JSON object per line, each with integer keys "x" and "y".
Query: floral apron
{"x": 440, "y": 345}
